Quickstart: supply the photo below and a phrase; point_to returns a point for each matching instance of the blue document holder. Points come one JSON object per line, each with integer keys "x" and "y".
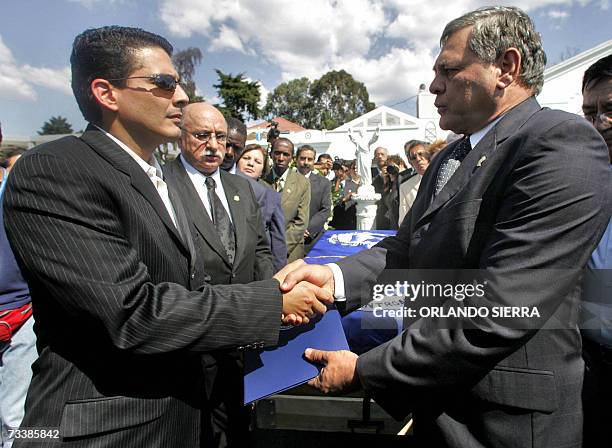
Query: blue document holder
{"x": 273, "y": 370}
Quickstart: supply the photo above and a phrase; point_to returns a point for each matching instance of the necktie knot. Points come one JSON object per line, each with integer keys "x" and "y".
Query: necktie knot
{"x": 452, "y": 162}
{"x": 210, "y": 183}
{"x": 462, "y": 149}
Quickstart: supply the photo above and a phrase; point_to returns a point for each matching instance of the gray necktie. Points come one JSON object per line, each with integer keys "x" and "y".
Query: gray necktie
{"x": 221, "y": 220}
{"x": 452, "y": 162}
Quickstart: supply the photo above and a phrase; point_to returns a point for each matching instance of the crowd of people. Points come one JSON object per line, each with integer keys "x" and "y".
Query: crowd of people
{"x": 130, "y": 291}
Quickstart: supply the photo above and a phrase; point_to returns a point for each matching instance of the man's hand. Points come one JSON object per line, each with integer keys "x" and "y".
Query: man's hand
{"x": 339, "y": 372}
{"x": 316, "y": 274}
{"x": 303, "y": 301}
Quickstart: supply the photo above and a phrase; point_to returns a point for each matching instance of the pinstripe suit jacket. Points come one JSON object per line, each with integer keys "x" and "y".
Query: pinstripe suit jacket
{"x": 122, "y": 310}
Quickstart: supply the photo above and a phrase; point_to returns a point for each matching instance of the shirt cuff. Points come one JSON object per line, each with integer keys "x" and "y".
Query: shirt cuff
{"x": 338, "y": 282}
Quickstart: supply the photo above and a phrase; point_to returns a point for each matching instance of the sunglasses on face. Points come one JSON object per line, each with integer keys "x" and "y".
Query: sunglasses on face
{"x": 163, "y": 81}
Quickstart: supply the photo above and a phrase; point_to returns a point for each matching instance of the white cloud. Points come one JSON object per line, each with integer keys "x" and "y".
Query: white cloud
{"x": 227, "y": 39}
{"x": 18, "y": 81}
{"x": 390, "y": 45}
{"x": 89, "y": 4}
{"x": 557, "y": 14}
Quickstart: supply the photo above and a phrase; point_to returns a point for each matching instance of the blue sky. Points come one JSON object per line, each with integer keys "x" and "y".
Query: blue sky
{"x": 389, "y": 45}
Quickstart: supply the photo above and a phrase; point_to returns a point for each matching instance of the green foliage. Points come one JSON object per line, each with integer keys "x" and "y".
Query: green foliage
{"x": 240, "y": 96}
{"x": 185, "y": 62}
{"x": 325, "y": 103}
{"x": 339, "y": 99}
{"x": 56, "y": 125}
{"x": 291, "y": 100}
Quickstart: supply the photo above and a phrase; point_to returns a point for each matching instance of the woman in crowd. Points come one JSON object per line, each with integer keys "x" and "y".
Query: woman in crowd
{"x": 419, "y": 157}
{"x": 252, "y": 164}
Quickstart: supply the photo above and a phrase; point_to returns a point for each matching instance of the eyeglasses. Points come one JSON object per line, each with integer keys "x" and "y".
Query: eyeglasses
{"x": 205, "y": 136}
{"x": 163, "y": 81}
{"x": 605, "y": 118}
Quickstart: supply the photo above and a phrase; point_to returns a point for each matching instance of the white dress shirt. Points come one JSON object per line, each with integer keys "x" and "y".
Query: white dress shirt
{"x": 153, "y": 171}
{"x": 198, "y": 180}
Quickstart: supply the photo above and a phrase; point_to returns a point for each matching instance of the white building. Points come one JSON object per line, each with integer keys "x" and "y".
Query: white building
{"x": 563, "y": 82}
{"x": 396, "y": 128}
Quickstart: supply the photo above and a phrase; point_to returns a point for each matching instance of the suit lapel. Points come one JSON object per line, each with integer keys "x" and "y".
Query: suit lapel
{"x": 195, "y": 208}
{"x": 236, "y": 201}
{"x": 288, "y": 189}
{"x": 475, "y": 160}
{"x": 123, "y": 162}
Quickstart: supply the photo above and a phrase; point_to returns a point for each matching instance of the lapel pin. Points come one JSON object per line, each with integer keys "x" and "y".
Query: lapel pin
{"x": 481, "y": 161}
{"x": 237, "y": 198}
{"x": 288, "y": 191}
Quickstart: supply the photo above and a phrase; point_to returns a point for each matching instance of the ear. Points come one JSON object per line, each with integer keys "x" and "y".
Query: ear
{"x": 509, "y": 68}
{"x": 105, "y": 94}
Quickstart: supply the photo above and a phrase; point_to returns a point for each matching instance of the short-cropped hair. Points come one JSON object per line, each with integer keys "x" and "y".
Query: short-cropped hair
{"x": 106, "y": 53}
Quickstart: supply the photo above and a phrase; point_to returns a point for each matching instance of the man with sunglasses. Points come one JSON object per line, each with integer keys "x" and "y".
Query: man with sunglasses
{"x": 123, "y": 307}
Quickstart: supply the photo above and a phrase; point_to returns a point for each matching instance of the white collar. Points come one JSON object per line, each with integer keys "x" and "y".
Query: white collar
{"x": 478, "y": 135}
{"x": 146, "y": 166}
{"x": 194, "y": 172}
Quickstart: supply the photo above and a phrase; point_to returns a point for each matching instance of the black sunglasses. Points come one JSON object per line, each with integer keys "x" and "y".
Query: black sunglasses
{"x": 163, "y": 81}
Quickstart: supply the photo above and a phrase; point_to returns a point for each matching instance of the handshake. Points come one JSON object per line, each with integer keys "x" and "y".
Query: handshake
{"x": 307, "y": 289}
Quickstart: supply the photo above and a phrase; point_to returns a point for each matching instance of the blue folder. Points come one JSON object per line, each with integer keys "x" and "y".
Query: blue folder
{"x": 273, "y": 370}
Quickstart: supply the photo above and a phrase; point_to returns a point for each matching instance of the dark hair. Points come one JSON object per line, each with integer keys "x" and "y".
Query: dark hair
{"x": 6, "y": 152}
{"x": 600, "y": 69}
{"x": 305, "y": 148}
{"x": 234, "y": 124}
{"x": 106, "y": 53}
{"x": 324, "y": 156}
{"x": 283, "y": 140}
{"x": 255, "y": 147}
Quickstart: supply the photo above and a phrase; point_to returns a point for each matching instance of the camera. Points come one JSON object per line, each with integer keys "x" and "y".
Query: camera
{"x": 273, "y": 133}
{"x": 338, "y": 164}
{"x": 393, "y": 170}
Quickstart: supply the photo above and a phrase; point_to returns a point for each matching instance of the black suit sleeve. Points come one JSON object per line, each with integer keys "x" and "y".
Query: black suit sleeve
{"x": 66, "y": 234}
{"x": 318, "y": 220}
{"x": 264, "y": 268}
{"x": 551, "y": 215}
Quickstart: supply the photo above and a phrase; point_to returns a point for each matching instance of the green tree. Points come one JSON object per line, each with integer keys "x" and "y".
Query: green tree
{"x": 185, "y": 62}
{"x": 292, "y": 100}
{"x": 56, "y": 125}
{"x": 240, "y": 96}
{"x": 338, "y": 98}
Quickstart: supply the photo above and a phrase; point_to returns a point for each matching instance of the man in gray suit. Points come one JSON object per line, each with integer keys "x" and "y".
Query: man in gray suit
{"x": 123, "y": 307}
{"x": 320, "y": 196}
{"x": 520, "y": 201}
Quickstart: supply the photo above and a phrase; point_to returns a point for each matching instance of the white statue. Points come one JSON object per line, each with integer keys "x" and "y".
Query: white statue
{"x": 364, "y": 154}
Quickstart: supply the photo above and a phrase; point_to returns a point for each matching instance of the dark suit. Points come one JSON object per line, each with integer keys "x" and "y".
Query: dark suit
{"x": 273, "y": 219}
{"x": 382, "y": 221}
{"x": 253, "y": 261}
{"x": 345, "y": 213}
{"x": 123, "y": 309}
{"x": 320, "y": 208}
{"x": 295, "y": 201}
{"x": 531, "y": 195}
